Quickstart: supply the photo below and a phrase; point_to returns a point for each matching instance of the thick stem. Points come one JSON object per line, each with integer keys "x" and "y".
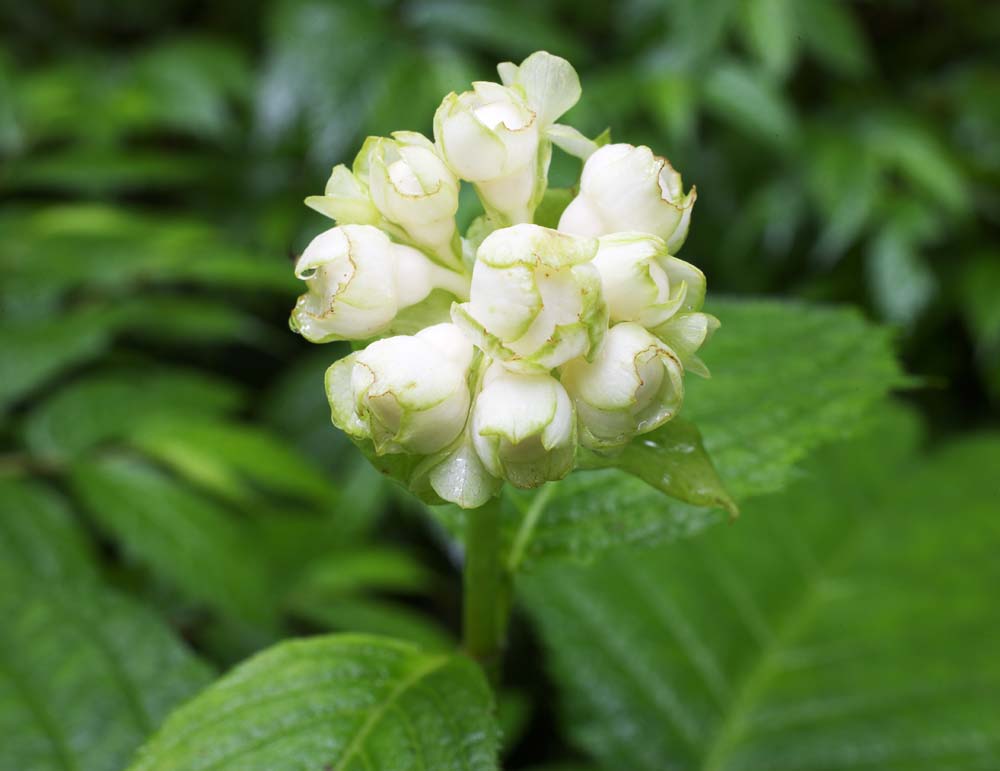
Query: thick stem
{"x": 485, "y": 604}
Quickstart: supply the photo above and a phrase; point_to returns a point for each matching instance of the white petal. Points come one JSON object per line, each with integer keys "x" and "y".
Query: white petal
{"x": 516, "y": 407}
{"x": 550, "y": 83}
{"x": 414, "y": 395}
{"x": 462, "y": 478}
{"x": 524, "y": 428}
{"x": 351, "y": 295}
{"x": 504, "y": 300}
{"x": 582, "y": 217}
{"x": 415, "y": 275}
{"x": 631, "y": 277}
{"x": 451, "y": 341}
{"x": 632, "y": 189}
{"x": 473, "y": 151}
{"x": 634, "y": 385}
{"x": 533, "y": 245}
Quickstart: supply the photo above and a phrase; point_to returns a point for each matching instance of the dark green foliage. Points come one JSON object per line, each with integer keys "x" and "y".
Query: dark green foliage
{"x": 173, "y": 498}
{"x": 841, "y": 622}
{"x": 346, "y": 702}
{"x": 85, "y": 674}
{"x": 787, "y": 377}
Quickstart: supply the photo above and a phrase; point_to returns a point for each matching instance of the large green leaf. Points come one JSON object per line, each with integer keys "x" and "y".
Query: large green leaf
{"x": 751, "y": 103}
{"x": 233, "y": 459}
{"x": 182, "y": 536}
{"x": 373, "y": 615}
{"x": 113, "y": 404}
{"x": 33, "y": 351}
{"x": 39, "y": 535}
{"x": 770, "y": 32}
{"x": 343, "y": 703}
{"x": 51, "y": 251}
{"x": 85, "y": 675}
{"x": 845, "y": 623}
{"x": 787, "y": 377}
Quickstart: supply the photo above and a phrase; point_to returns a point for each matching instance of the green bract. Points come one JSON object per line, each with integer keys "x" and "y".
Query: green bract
{"x": 528, "y": 350}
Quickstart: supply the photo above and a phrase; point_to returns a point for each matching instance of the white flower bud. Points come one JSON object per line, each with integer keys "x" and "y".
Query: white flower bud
{"x": 490, "y": 136}
{"x": 358, "y": 280}
{"x": 627, "y": 188}
{"x": 642, "y": 282}
{"x": 413, "y": 188}
{"x": 685, "y": 333}
{"x": 405, "y": 393}
{"x": 523, "y": 427}
{"x": 497, "y": 136}
{"x": 535, "y": 300}
{"x": 635, "y": 384}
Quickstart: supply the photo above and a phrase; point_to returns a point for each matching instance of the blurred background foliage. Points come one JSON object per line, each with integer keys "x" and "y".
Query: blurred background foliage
{"x": 160, "y": 422}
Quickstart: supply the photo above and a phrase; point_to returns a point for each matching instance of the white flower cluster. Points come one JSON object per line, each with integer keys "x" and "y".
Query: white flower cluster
{"x": 528, "y": 341}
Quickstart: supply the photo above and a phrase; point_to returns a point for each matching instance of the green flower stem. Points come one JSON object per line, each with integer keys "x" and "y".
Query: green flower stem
{"x": 486, "y": 604}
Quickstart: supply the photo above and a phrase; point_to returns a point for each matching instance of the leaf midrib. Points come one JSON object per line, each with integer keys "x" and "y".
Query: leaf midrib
{"x": 357, "y": 742}
{"x": 750, "y": 685}
{"x": 46, "y": 721}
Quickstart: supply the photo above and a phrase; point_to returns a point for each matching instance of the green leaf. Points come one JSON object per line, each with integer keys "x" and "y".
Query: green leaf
{"x": 751, "y": 103}
{"x": 921, "y": 158}
{"x": 103, "y": 171}
{"x": 343, "y": 703}
{"x": 186, "y": 538}
{"x": 322, "y": 66}
{"x": 185, "y": 322}
{"x": 833, "y": 34}
{"x": 563, "y": 767}
{"x": 673, "y": 460}
{"x": 233, "y": 459}
{"x": 113, "y": 404}
{"x": 901, "y": 281}
{"x": 32, "y": 352}
{"x": 39, "y": 535}
{"x": 787, "y": 377}
{"x": 495, "y": 27}
{"x": 698, "y": 28}
{"x": 361, "y": 568}
{"x": 371, "y": 615}
{"x": 190, "y": 85}
{"x": 54, "y": 250}
{"x": 846, "y": 622}
{"x": 979, "y": 284}
{"x": 771, "y": 33}
{"x": 85, "y": 675}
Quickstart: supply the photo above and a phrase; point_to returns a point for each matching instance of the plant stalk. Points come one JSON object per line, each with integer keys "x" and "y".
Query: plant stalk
{"x": 485, "y": 604}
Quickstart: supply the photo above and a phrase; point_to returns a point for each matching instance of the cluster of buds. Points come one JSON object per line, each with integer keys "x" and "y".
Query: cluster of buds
{"x": 496, "y": 356}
